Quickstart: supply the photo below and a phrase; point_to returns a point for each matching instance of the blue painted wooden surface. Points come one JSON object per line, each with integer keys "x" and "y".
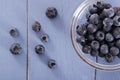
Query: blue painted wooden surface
{"x": 59, "y": 47}
{"x": 14, "y": 14}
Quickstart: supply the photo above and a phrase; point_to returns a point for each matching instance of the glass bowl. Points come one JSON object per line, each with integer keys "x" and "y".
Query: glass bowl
{"x": 79, "y": 18}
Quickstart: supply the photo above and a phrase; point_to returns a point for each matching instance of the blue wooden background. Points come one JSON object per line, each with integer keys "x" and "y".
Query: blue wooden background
{"x": 21, "y": 14}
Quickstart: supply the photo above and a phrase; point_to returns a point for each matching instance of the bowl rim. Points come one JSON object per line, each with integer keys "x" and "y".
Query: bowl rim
{"x": 76, "y": 47}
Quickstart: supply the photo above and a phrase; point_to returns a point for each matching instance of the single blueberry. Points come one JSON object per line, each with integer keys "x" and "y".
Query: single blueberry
{"x": 81, "y": 40}
{"x": 104, "y": 49}
{"x": 93, "y": 10}
{"x": 114, "y": 51}
{"x": 92, "y": 28}
{"x": 81, "y": 30}
{"x": 107, "y": 28}
{"x": 109, "y": 37}
{"x": 116, "y": 32}
{"x": 95, "y": 45}
{"x": 100, "y": 35}
{"x": 94, "y": 19}
{"x": 86, "y": 49}
{"x": 108, "y": 22}
{"x": 109, "y": 58}
{"x": 109, "y": 12}
{"x": 116, "y": 20}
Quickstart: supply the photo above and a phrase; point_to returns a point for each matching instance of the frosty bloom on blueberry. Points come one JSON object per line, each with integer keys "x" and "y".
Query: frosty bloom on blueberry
{"x": 101, "y": 35}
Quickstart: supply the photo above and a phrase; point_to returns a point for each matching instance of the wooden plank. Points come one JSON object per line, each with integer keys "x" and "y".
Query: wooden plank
{"x": 13, "y": 15}
{"x": 59, "y": 47}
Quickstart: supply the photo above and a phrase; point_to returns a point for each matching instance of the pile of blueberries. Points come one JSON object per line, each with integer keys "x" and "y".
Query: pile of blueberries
{"x": 100, "y": 34}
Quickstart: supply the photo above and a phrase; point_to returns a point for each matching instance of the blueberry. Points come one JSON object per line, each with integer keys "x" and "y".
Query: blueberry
{"x": 109, "y": 58}
{"x": 94, "y": 52}
{"x": 116, "y": 32}
{"x": 81, "y": 40}
{"x": 92, "y": 28}
{"x": 51, "y": 12}
{"x": 86, "y": 49}
{"x": 114, "y": 51}
{"x": 102, "y": 5}
{"x": 95, "y": 45}
{"x": 91, "y": 37}
{"x": 108, "y": 22}
{"x": 107, "y": 28}
{"x": 81, "y": 30}
{"x": 109, "y": 37}
{"x": 118, "y": 43}
{"x": 109, "y": 12}
{"x": 99, "y": 7}
{"x": 94, "y": 19}
{"x": 104, "y": 49}
{"x": 106, "y": 5}
{"x": 116, "y": 20}
{"x": 93, "y": 10}
{"x": 100, "y": 35}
